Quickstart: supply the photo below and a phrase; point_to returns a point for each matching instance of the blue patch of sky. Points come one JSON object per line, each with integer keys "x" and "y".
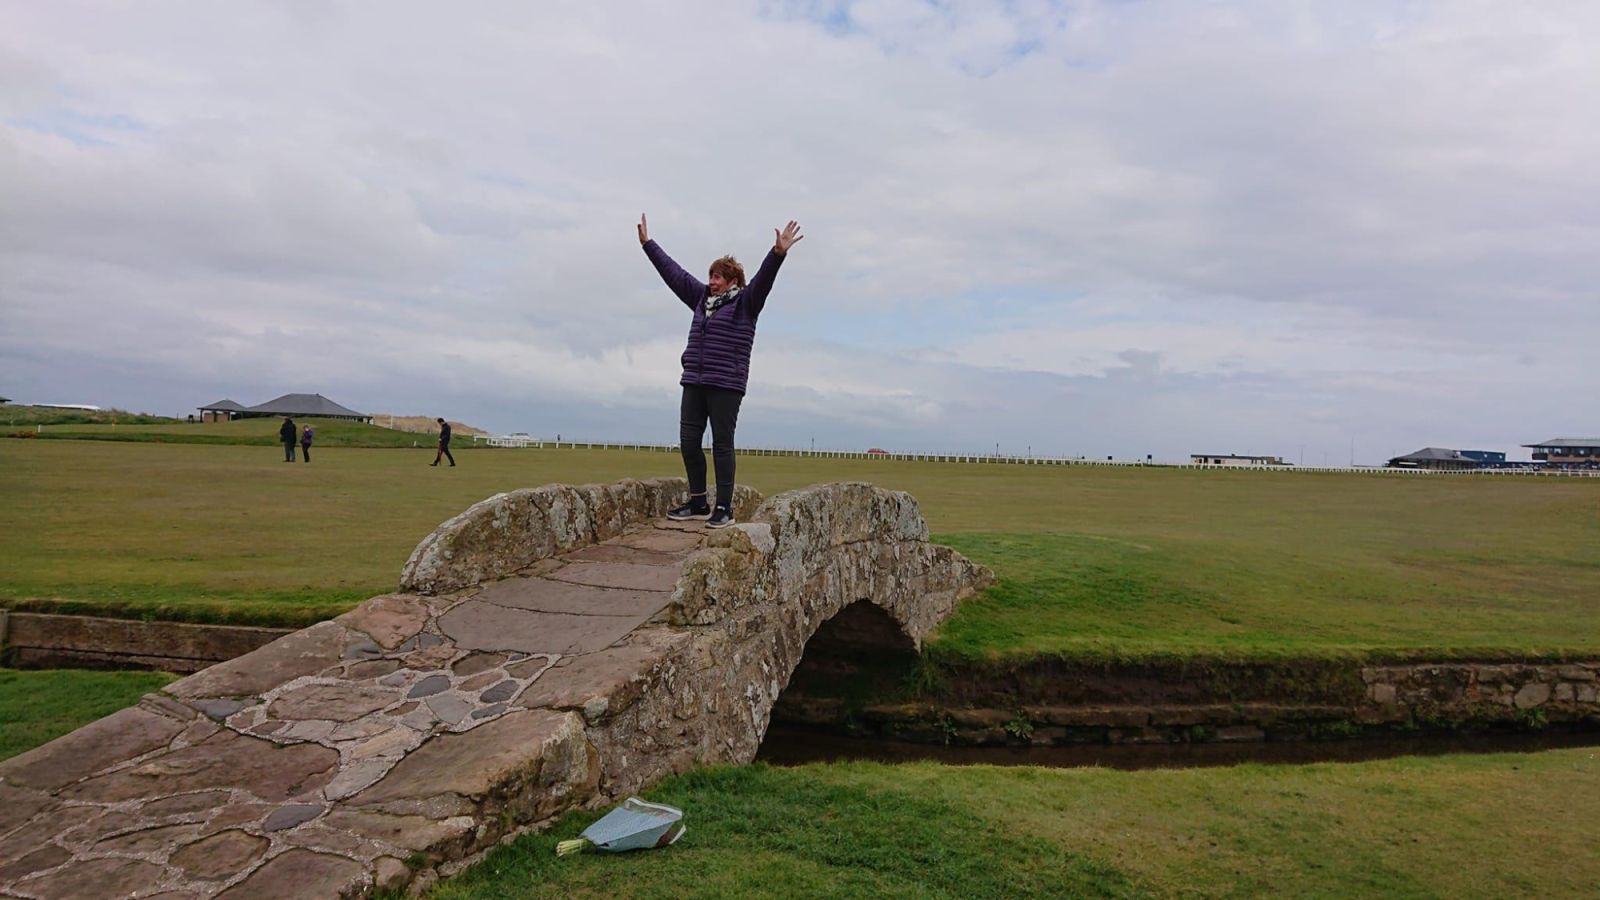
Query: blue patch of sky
{"x": 87, "y": 129}
{"x": 832, "y": 15}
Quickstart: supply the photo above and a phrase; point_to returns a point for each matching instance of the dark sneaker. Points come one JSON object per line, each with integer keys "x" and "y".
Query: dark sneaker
{"x": 690, "y": 510}
{"x": 720, "y": 518}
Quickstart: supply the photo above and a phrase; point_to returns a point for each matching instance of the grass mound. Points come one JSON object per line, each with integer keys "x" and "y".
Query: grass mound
{"x": 30, "y": 416}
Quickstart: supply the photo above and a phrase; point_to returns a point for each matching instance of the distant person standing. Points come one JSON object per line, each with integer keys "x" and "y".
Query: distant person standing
{"x": 444, "y": 445}
{"x": 305, "y": 443}
{"x": 288, "y": 435}
{"x": 716, "y": 363}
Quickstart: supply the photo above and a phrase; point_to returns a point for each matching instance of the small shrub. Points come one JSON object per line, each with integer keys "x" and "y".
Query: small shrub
{"x": 1020, "y": 727}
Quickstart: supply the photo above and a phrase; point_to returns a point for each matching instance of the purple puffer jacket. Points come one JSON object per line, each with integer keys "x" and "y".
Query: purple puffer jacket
{"x": 718, "y": 354}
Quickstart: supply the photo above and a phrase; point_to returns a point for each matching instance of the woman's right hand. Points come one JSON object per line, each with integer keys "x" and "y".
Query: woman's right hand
{"x": 644, "y": 230}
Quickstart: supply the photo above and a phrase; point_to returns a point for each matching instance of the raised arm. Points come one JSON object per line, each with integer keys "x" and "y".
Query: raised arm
{"x": 689, "y": 289}
{"x": 754, "y": 297}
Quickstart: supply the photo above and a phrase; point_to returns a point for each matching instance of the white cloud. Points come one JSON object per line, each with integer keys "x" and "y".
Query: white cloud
{"x": 1311, "y": 222}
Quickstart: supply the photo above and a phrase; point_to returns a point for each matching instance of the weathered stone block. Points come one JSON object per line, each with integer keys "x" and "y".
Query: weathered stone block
{"x": 79, "y": 754}
{"x": 299, "y": 653}
{"x": 226, "y": 760}
{"x": 1531, "y": 695}
{"x": 493, "y": 763}
{"x": 388, "y": 620}
{"x": 476, "y": 625}
{"x": 111, "y": 877}
{"x": 442, "y": 839}
{"x": 299, "y": 873}
{"x": 220, "y": 855}
{"x": 338, "y": 702}
{"x": 46, "y": 857}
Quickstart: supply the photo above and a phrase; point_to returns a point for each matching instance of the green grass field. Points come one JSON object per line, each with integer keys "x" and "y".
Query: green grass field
{"x": 36, "y": 707}
{"x": 1501, "y": 825}
{"x": 1092, "y": 562}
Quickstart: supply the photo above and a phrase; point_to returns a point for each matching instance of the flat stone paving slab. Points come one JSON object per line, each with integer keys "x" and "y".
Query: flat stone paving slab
{"x": 615, "y": 673}
{"x": 121, "y": 735}
{"x": 473, "y": 763}
{"x": 666, "y": 540}
{"x": 299, "y": 653}
{"x": 629, "y": 576}
{"x": 475, "y": 625}
{"x": 625, "y": 554}
{"x": 547, "y": 595}
{"x": 227, "y": 760}
{"x": 299, "y": 874}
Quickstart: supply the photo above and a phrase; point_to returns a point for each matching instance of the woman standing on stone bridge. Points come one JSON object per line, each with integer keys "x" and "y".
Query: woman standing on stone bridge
{"x": 716, "y": 364}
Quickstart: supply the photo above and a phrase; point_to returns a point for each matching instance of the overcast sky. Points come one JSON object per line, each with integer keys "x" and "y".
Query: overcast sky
{"x": 1092, "y": 228}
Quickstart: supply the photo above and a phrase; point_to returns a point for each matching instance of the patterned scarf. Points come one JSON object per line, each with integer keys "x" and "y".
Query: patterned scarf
{"x": 716, "y": 302}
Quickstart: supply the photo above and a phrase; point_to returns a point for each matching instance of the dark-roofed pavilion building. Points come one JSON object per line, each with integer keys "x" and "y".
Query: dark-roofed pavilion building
{"x": 1438, "y": 458}
{"x": 220, "y": 411}
{"x": 305, "y": 405}
{"x": 1567, "y": 451}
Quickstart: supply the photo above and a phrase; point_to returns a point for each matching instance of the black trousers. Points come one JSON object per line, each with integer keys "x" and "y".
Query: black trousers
{"x": 444, "y": 453}
{"x": 721, "y": 407}
{"x": 305, "y": 451}
{"x": 288, "y": 451}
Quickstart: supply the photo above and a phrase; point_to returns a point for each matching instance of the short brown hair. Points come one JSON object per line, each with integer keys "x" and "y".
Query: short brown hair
{"x": 728, "y": 268}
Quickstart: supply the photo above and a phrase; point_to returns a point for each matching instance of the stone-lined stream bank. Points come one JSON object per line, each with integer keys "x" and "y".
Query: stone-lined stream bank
{"x": 1043, "y": 703}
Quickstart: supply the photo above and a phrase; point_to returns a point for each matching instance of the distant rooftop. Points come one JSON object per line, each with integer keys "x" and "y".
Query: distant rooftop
{"x": 306, "y": 405}
{"x": 1566, "y": 442}
{"x": 1433, "y": 453}
{"x": 223, "y": 405}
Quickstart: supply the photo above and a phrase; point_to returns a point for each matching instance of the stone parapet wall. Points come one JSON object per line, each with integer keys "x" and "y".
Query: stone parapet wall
{"x": 511, "y": 531}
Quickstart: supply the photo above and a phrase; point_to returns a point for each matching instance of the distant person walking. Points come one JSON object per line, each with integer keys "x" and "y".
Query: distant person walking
{"x": 716, "y": 363}
{"x": 444, "y": 445}
{"x": 287, "y": 435}
{"x": 305, "y": 443}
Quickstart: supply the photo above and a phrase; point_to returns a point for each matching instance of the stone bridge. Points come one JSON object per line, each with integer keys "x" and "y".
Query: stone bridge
{"x": 549, "y": 648}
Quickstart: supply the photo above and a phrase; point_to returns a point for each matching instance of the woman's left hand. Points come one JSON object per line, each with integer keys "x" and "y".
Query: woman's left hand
{"x": 788, "y": 237}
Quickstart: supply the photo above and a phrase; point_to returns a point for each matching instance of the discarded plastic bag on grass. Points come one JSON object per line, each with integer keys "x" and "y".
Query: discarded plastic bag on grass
{"x": 635, "y": 825}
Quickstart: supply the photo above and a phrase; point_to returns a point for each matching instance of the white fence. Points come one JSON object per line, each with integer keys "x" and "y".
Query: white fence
{"x": 520, "y": 440}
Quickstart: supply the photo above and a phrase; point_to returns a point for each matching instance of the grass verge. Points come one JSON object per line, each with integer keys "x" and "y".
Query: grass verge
{"x": 760, "y": 831}
{"x": 1452, "y": 826}
{"x": 39, "y": 706}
